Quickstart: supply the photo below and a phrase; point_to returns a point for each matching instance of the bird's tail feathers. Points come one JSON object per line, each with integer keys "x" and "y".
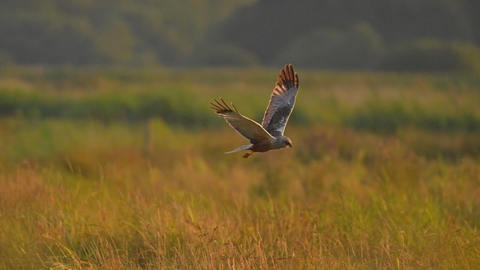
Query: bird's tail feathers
{"x": 241, "y": 148}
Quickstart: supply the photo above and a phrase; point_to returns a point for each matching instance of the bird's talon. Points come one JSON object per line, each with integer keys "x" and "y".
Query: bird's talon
{"x": 247, "y": 155}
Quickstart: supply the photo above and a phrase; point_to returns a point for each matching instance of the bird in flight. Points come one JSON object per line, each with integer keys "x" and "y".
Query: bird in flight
{"x": 268, "y": 135}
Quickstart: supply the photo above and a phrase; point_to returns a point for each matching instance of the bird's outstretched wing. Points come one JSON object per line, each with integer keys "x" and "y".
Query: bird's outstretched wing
{"x": 281, "y": 102}
{"x": 245, "y": 126}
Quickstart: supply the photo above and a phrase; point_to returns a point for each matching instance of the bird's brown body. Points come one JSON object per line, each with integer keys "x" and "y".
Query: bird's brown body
{"x": 268, "y": 135}
{"x": 264, "y": 146}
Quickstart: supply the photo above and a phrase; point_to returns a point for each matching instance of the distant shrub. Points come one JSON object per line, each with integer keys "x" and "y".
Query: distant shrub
{"x": 465, "y": 121}
{"x": 5, "y": 59}
{"x": 384, "y": 118}
{"x": 326, "y": 48}
{"x": 432, "y": 55}
{"x": 379, "y": 117}
{"x": 224, "y": 56}
{"x": 107, "y": 107}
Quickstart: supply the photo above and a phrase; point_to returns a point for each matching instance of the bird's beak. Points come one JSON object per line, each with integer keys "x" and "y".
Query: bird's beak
{"x": 290, "y": 144}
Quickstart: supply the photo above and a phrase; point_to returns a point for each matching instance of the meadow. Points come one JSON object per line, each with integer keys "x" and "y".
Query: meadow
{"x": 125, "y": 169}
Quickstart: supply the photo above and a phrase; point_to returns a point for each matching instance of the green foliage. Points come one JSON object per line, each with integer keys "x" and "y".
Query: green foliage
{"x": 324, "y": 48}
{"x": 126, "y": 107}
{"x": 222, "y": 56}
{"x": 344, "y": 34}
{"x": 126, "y": 32}
{"x": 386, "y": 118}
{"x": 181, "y": 98}
{"x": 401, "y": 21}
{"x": 432, "y": 55}
{"x": 38, "y": 40}
{"x": 5, "y": 59}
{"x": 394, "y": 22}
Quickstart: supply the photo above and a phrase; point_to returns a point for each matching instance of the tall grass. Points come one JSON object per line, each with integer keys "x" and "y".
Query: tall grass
{"x": 82, "y": 193}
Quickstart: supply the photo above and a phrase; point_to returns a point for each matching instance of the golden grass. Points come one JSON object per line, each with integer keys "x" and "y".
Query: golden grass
{"x": 338, "y": 200}
{"x": 82, "y": 194}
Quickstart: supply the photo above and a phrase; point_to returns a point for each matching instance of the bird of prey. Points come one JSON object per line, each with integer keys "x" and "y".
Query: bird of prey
{"x": 268, "y": 135}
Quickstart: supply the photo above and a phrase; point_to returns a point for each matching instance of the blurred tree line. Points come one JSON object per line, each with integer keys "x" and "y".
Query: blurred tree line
{"x": 439, "y": 35}
{"x": 106, "y": 32}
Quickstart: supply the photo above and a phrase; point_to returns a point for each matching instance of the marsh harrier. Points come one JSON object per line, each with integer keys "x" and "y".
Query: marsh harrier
{"x": 268, "y": 135}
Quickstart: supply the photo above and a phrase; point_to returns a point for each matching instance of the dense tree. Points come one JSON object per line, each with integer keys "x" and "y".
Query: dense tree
{"x": 106, "y": 32}
{"x": 318, "y": 34}
{"x": 268, "y": 28}
{"x": 357, "y": 48}
{"x": 432, "y": 55}
{"x": 472, "y": 8}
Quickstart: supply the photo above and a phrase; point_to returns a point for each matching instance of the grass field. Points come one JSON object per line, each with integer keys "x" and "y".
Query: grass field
{"x": 122, "y": 169}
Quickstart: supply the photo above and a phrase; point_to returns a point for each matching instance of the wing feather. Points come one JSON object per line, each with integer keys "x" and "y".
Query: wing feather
{"x": 281, "y": 102}
{"x": 245, "y": 126}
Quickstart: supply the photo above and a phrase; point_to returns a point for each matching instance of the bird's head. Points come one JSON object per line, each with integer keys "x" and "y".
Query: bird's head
{"x": 287, "y": 142}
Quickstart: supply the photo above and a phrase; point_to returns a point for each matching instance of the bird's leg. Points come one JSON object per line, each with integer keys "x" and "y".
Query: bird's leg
{"x": 248, "y": 154}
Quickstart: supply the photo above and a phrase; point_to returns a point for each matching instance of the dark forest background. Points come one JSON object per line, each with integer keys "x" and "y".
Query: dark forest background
{"x": 411, "y": 35}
